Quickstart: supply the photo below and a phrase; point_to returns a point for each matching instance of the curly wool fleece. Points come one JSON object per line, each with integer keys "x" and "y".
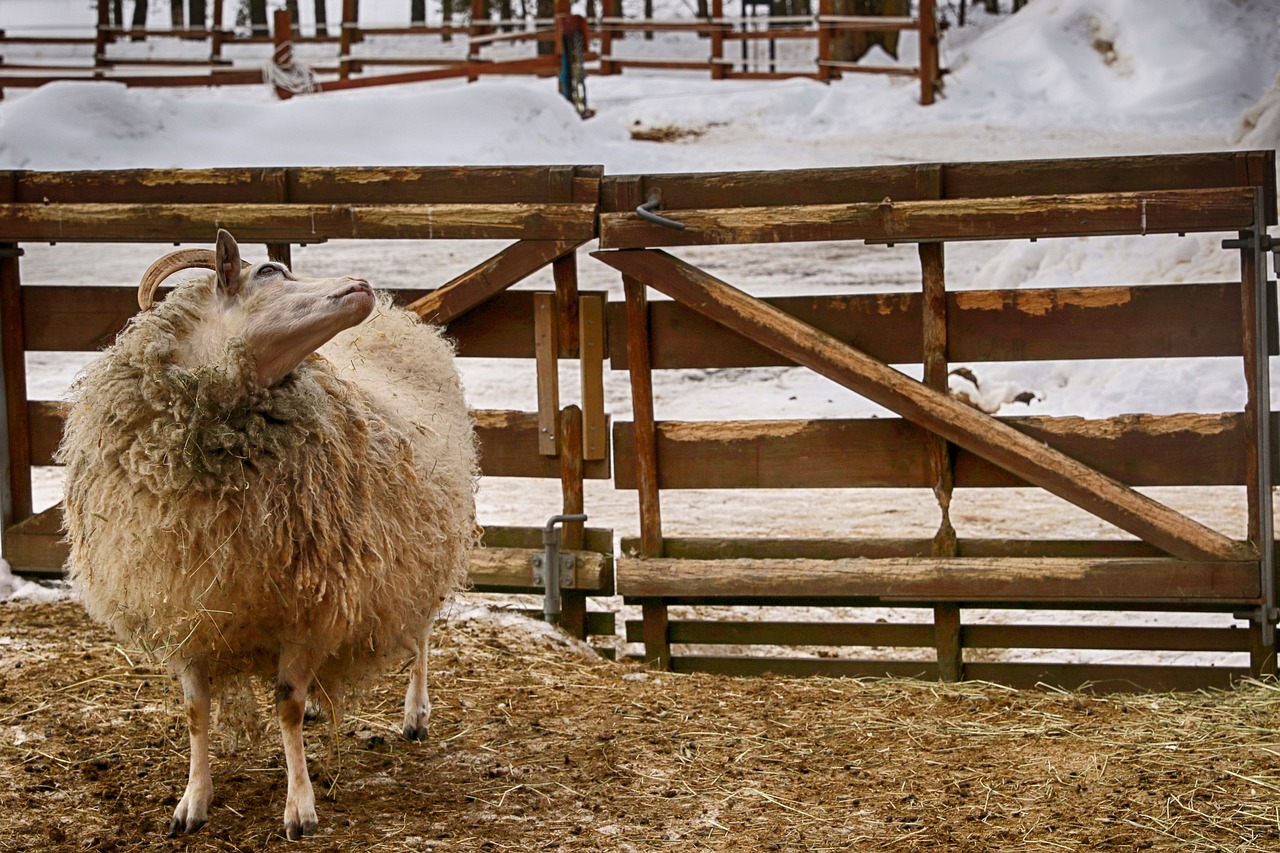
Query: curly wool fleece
{"x": 213, "y": 519}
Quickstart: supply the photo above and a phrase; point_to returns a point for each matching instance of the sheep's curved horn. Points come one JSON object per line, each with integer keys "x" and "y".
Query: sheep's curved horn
{"x": 184, "y": 259}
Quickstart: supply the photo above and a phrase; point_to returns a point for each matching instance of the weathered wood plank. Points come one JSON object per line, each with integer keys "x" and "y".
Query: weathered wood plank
{"x": 767, "y": 632}
{"x": 319, "y": 185}
{"x": 963, "y": 426}
{"x": 959, "y": 180}
{"x": 1108, "y": 678}
{"x": 1140, "y": 450}
{"x": 299, "y": 223}
{"x": 511, "y": 569}
{"x": 960, "y": 580}
{"x": 489, "y": 278}
{"x": 1156, "y": 212}
{"x": 804, "y": 667}
{"x": 1142, "y": 321}
{"x": 712, "y": 548}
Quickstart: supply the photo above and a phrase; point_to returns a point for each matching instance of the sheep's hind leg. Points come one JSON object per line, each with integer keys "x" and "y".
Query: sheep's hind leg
{"x": 417, "y": 704}
{"x": 295, "y": 674}
{"x": 193, "y": 809}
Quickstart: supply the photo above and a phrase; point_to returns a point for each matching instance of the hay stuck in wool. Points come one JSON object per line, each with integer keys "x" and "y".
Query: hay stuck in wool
{"x": 536, "y": 747}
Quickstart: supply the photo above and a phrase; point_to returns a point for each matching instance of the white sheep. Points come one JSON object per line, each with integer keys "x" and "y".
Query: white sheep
{"x": 241, "y": 506}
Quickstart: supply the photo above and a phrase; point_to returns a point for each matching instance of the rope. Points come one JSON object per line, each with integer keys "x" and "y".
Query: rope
{"x": 284, "y": 72}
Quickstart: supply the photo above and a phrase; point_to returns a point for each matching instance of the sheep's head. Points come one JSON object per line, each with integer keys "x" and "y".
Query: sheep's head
{"x": 278, "y": 317}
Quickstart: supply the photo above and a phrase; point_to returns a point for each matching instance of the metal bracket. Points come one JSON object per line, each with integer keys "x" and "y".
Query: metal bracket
{"x": 1267, "y": 243}
{"x": 568, "y": 570}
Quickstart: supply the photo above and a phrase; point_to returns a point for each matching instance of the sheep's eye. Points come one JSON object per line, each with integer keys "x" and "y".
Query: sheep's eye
{"x": 271, "y": 271}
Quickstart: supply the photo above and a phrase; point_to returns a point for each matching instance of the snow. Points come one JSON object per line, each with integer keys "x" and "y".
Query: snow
{"x": 1061, "y": 78}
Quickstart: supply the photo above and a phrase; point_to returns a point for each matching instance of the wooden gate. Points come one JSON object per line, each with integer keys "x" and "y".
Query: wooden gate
{"x": 1175, "y": 563}
{"x": 547, "y": 211}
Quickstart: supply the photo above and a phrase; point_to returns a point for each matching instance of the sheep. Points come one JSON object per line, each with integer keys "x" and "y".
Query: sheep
{"x": 240, "y": 505}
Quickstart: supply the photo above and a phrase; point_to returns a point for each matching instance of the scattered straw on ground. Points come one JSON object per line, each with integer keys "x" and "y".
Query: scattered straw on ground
{"x": 537, "y": 747}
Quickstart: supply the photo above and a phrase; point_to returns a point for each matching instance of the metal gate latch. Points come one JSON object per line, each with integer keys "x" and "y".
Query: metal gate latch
{"x": 553, "y": 570}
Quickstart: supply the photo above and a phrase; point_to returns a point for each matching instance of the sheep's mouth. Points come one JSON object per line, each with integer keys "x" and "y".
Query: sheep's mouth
{"x": 354, "y": 287}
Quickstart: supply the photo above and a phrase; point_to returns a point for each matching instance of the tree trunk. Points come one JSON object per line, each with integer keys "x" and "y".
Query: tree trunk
{"x": 175, "y": 14}
{"x": 117, "y": 13}
{"x": 139, "y": 17}
{"x": 322, "y": 19}
{"x": 295, "y": 26}
{"x": 418, "y": 12}
{"x": 546, "y": 9}
{"x": 196, "y": 15}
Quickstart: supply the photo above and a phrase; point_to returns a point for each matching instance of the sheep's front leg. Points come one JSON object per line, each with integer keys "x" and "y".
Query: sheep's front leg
{"x": 417, "y": 705}
{"x": 291, "y": 705}
{"x": 193, "y": 809}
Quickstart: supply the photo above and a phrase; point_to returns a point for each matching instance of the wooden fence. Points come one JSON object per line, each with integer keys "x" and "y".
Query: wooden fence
{"x": 938, "y": 444}
{"x": 348, "y": 70}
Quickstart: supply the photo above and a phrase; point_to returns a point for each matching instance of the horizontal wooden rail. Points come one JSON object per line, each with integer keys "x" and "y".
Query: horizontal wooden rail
{"x": 1000, "y": 179}
{"x": 985, "y": 636}
{"x": 1072, "y": 215}
{"x": 1156, "y": 321}
{"x": 295, "y": 222}
{"x": 968, "y": 581}
{"x": 1140, "y": 450}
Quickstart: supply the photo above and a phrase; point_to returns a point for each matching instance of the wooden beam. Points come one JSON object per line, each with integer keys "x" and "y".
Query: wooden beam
{"x": 298, "y": 223}
{"x": 1156, "y": 212}
{"x": 936, "y": 412}
{"x": 489, "y": 278}
{"x": 960, "y": 580}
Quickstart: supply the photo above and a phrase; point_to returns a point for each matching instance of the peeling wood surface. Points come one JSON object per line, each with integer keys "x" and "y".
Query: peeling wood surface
{"x": 1156, "y": 212}
{"x": 1147, "y": 321}
{"x": 295, "y": 222}
{"x": 959, "y": 579}
{"x": 489, "y": 278}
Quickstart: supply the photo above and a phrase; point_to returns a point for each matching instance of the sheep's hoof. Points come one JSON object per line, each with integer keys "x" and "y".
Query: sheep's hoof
{"x": 415, "y": 731}
{"x": 183, "y": 824}
{"x": 315, "y": 711}
{"x": 303, "y": 822}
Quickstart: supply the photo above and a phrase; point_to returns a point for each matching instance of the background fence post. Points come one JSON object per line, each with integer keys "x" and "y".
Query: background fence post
{"x": 929, "y": 80}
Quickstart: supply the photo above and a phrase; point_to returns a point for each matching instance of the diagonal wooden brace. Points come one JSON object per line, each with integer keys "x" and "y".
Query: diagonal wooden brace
{"x": 979, "y": 433}
{"x": 513, "y": 264}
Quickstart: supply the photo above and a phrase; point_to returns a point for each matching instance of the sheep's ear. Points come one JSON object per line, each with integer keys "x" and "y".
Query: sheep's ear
{"x": 227, "y": 262}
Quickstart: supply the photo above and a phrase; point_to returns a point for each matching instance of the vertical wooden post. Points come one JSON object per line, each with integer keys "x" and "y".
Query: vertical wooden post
{"x": 609, "y": 9}
{"x": 929, "y": 76}
{"x": 657, "y": 648}
{"x": 946, "y": 618}
{"x": 564, "y": 271}
{"x": 216, "y": 35}
{"x": 1255, "y": 324}
{"x": 825, "y": 72}
{"x": 546, "y": 347}
{"x": 101, "y": 34}
{"x": 717, "y": 40}
{"x": 17, "y": 479}
{"x": 346, "y": 37}
{"x": 573, "y": 602}
{"x": 281, "y": 28}
{"x": 595, "y": 438}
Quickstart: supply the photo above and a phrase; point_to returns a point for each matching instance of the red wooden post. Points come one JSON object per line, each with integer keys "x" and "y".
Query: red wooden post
{"x": 282, "y": 57}
{"x": 101, "y": 34}
{"x": 929, "y": 77}
{"x": 717, "y": 40}
{"x": 216, "y": 37}
{"x": 346, "y": 37}
{"x": 825, "y": 72}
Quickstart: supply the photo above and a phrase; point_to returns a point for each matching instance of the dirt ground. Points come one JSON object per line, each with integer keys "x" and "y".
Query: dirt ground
{"x": 536, "y": 744}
